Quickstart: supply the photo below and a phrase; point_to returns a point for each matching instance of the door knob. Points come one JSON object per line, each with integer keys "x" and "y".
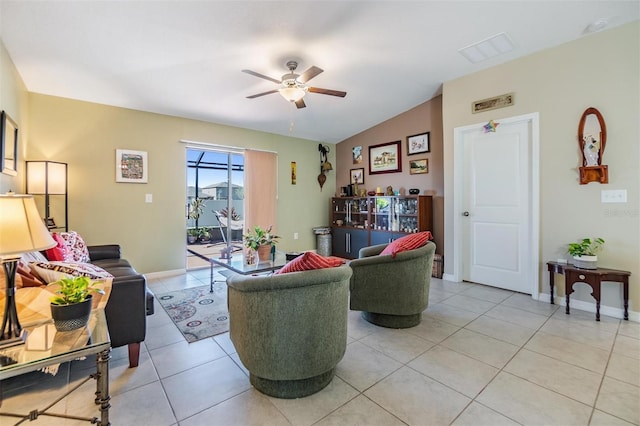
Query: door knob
{"x": 465, "y": 214}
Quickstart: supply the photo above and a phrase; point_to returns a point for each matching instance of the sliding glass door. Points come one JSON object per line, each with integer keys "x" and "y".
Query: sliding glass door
{"x": 215, "y": 202}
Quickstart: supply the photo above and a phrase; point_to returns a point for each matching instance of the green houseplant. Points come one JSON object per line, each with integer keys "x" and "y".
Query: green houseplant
{"x": 585, "y": 252}
{"x": 261, "y": 241}
{"x": 71, "y": 305}
{"x": 195, "y": 210}
{"x": 192, "y": 235}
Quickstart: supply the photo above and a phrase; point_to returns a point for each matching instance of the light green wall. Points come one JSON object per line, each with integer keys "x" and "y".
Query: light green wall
{"x": 152, "y": 236}
{"x": 13, "y": 100}
{"x": 602, "y": 71}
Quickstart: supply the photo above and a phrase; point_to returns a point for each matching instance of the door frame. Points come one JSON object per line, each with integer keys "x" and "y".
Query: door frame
{"x": 533, "y": 153}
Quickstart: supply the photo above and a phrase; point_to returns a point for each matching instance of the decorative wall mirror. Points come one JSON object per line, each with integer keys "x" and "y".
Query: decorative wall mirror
{"x": 592, "y": 139}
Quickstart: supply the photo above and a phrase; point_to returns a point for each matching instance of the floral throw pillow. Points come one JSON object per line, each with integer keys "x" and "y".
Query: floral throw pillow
{"x": 51, "y": 272}
{"x": 76, "y": 248}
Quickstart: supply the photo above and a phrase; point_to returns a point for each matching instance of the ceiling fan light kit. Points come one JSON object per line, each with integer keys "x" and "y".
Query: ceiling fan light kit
{"x": 293, "y": 93}
{"x": 293, "y": 86}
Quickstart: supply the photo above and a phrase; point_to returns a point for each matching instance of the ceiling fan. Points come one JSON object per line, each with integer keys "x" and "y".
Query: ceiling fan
{"x": 293, "y": 86}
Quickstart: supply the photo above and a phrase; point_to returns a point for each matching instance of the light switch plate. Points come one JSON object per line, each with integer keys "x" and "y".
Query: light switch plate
{"x": 148, "y": 198}
{"x": 613, "y": 196}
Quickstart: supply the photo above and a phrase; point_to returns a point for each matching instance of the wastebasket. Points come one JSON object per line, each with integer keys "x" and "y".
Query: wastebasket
{"x": 323, "y": 240}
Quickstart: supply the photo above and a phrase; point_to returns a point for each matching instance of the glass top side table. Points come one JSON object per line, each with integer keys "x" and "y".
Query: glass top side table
{"x": 46, "y": 347}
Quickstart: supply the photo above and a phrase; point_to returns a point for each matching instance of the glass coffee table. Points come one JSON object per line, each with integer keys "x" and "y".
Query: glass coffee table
{"x": 236, "y": 263}
{"x": 46, "y": 347}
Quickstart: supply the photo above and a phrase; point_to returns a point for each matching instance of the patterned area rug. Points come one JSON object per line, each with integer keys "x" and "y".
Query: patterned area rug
{"x": 197, "y": 313}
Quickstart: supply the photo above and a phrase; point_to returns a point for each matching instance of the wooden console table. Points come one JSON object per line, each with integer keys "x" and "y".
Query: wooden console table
{"x": 592, "y": 277}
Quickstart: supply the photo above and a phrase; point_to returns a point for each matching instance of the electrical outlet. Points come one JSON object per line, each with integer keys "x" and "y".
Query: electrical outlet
{"x": 613, "y": 196}
{"x": 295, "y": 235}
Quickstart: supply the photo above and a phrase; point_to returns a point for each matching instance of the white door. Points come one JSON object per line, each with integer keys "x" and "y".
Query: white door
{"x": 496, "y": 206}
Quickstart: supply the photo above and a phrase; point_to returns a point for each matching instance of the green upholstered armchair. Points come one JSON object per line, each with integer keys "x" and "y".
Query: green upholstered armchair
{"x": 290, "y": 330}
{"x": 392, "y": 292}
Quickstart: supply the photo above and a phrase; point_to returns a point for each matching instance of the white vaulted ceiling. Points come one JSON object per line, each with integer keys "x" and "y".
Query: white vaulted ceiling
{"x": 184, "y": 58}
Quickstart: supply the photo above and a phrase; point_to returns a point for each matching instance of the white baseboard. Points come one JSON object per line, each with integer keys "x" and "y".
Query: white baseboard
{"x": 163, "y": 274}
{"x": 590, "y": 307}
{"x": 448, "y": 277}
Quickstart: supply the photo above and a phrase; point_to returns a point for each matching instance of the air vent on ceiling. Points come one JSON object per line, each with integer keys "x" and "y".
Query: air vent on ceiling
{"x": 488, "y": 48}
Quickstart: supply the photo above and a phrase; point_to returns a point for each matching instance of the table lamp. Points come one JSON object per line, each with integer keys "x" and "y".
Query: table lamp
{"x": 21, "y": 230}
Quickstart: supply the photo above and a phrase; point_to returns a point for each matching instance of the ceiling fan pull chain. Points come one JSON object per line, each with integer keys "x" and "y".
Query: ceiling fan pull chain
{"x": 291, "y": 124}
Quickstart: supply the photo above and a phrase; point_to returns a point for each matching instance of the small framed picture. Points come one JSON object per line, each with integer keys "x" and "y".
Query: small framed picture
{"x": 294, "y": 173}
{"x": 357, "y": 176}
{"x": 417, "y": 167}
{"x": 417, "y": 144}
{"x": 357, "y": 154}
{"x": 131, "y": 166}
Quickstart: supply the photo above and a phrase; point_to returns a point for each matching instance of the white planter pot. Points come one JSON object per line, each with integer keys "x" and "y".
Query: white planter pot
{"x": 586, "y": 262}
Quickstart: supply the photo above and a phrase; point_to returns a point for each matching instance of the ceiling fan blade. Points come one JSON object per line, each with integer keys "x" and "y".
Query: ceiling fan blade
{"x": 300, "y": 103}
{"x": 257, "y": 74}
{"x": 327, "y": 92}
{"x": 309, "y": 74}
{"x": 262, "y": 94}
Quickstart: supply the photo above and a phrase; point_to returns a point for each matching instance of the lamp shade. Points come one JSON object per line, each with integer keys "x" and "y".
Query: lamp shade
{"x": 46, "y": 177}
{"x": 21, "y": 229}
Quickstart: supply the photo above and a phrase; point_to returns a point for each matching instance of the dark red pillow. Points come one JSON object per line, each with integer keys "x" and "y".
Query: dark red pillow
{"x": 408, "y": 242}
{"x": 58, "y": 252}
{"x": 310, "y": 260}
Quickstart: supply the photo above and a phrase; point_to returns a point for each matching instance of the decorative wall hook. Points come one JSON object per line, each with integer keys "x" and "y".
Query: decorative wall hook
{"x": 325, "y": 165}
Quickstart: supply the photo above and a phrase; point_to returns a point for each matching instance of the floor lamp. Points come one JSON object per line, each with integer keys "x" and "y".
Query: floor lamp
{"x": 48, "y": 178}
{"x": 21, "y": 231}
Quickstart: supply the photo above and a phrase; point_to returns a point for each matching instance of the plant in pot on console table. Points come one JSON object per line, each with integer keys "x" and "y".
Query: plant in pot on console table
{"x": 261, "y": 241}
{"x": 71, "y": 307}
{"x": 584, "y": 252}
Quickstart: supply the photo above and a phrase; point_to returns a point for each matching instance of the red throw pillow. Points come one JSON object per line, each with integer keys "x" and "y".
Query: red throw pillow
{"x": 408, "y": 242}
{"x": 58, "y": 252}
{"x": 310, "y": 260}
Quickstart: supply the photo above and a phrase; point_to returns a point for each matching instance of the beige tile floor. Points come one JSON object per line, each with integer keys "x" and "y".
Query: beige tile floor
{"x": 481, "y": 356}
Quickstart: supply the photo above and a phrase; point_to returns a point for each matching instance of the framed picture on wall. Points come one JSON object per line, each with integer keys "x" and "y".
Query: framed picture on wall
{"x": 417, "y": 144}
{"x": 417, "y": 167}
{"x": 8, "y": 145}
{"x": 357, "y": 154}
{"x": 357, "y": 176}
{"x": 131, "y": 166}
{"x": 385, "y": 158}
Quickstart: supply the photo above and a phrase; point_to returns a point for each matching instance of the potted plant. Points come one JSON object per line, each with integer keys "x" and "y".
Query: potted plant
{"x": 584, "y": 252}
{"x": 195, "y": 210}
{"x": 204, "y": 235}
{"x": 192, "y": 235}
{"x": 233, "y": 216}
{"x": 71, "y": 306}
{"x": 261, "y": 241}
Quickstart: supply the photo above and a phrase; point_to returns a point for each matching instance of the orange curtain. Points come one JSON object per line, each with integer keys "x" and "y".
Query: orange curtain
{"x": 261, "y": 188}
